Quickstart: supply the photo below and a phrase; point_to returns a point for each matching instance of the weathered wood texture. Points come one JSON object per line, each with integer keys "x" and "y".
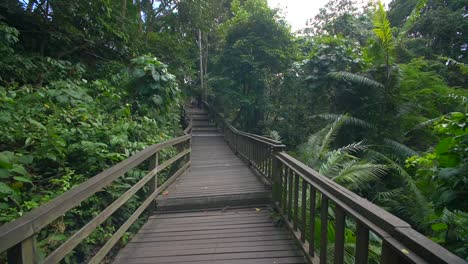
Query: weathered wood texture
{"x": 217, "y": 177}
{"x": 222, "y": 236}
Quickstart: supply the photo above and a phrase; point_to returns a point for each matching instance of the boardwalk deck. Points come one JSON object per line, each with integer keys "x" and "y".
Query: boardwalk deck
{"x": 230, "y": 236}
{"x": 217, "y": 177}
{"x": 217, "y": 180}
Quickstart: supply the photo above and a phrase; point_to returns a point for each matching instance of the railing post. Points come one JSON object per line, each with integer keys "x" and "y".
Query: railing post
{"x": 153, "y": 184}
{"x": 276, "y": 178}
{"x": 24, "y": 252}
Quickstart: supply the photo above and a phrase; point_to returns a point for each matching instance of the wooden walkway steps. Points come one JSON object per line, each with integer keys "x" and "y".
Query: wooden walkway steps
{"x": 228, "y": 219}
{"x": 222, "y": 236}
{"x": 217, "y": 177}
{"x": 214, "y": 209}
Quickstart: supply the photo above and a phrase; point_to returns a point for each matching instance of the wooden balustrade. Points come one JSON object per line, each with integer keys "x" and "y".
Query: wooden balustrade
{"x": 18, "y": 237}
{"x": 304, "y": 198}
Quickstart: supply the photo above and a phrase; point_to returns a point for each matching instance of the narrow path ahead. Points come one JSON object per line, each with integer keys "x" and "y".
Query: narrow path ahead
{"x": 215, "y": 230}
{"x": 217, "y": 178}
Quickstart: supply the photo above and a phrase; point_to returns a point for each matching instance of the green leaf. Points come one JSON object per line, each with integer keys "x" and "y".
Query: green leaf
{"x": 156, "y": 76}
{"x": 6, "y": 158}
{"x": 447, "y": 173}
{"x": 439, "y": 226}
{"x": 5, "y": 188}
{"x": 4, "y": 174}
{"x": 36, "y": 123}
{"x": 157, "y": 99}
{"x": 447, "y": 196}
{"x": 444, "y": 146}
{"x": 26, "y": 159}
{"x": 457, "y": 116}
{"x": 448, "y": 160}
{"x": 19, "y": 170}
{"x": 138, "y": 73}
{"x": 22, "y": 179}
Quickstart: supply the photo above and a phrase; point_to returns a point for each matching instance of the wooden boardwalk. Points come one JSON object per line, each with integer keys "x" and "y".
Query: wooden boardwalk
{"x": 217, "y": 177}
{"x": 228, "y": 221}
{"x": 232, "y": 236}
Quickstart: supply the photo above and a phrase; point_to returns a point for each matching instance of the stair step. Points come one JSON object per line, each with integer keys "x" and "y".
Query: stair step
{"x": 214, "y": 201}
{"x": 207, "y": 129}
{"x": 203, "y": 123}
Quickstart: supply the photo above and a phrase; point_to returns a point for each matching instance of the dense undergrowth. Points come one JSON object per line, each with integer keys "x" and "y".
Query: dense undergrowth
{"x": 374, "y": 99}
{"x": 60, "y": 132}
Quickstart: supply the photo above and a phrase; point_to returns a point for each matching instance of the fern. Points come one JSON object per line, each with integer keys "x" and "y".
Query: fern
{"x": 383, "y": 30}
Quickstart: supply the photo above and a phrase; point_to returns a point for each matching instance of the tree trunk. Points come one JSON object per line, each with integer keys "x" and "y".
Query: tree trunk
{"x": 124, "y": 12}
{"x": 201, "y": 63}
{"x": 140, "y": 22}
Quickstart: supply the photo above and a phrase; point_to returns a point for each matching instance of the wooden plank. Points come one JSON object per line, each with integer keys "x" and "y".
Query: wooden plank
{"x": 362, "y": 243}
{"x": 279, "y": 260}
{"x": 24, "y": 253}
{"x": 312, "y": 198}
{"x": 296, "y": 201}
{"x": 213, "y": 257}
{"x": 210, "y": 234}
{"x": 388, "y": 254}
{"x": 323, "y": 230}
{"x": 136, "y": 247}
{"x": 139, "y": 241}
{"x": 153, "y": 184}
{"x": 304, "y": 211}
{"x": 290, "y": 193}
{"x": 339, "y": 235}
{"x": 121, "y": 231}
{"x": 168, "y": 252}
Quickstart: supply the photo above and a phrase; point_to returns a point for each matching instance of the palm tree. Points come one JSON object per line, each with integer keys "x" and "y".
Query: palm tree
{"x": 340, "y": 164}
{"x": 360, "y": 168}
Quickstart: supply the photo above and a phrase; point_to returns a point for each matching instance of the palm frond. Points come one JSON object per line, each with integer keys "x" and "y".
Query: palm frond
{"x": 349, "y": 120}
{"x": 426, "y": 123}
{"x": 382, "y": 29}
{"x": 311, "y": 149}
{"x": 410, "y": 189}
{"x": 355, "y": 78}
{"x": 330, "y": 136}
{"x": 400, "y": 149}
{"x": 354, "y": 147}
{"x": 388, "y": 195}
{"x": 332, "y": 163}
{"x": 357, "y": 175}
{"x": 273, "y": 134}
{"x": 413, "y": 17}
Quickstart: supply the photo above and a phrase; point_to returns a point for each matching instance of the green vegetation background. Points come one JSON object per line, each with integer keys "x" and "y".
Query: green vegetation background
{"x": 375, "y": 100}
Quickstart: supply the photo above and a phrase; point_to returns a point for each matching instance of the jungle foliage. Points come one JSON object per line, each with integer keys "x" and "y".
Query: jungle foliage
{"x": 374, "y": 98}
{"x": 83, "y": 86}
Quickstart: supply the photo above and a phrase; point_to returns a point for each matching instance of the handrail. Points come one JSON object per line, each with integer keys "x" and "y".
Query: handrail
{"x": 18, "y": 236}
{"x": 301, "y": 195}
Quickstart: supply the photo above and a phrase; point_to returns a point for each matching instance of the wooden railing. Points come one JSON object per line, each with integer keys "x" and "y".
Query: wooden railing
{"x": 304, "y": 198}
{"x": 18, "y": 238}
